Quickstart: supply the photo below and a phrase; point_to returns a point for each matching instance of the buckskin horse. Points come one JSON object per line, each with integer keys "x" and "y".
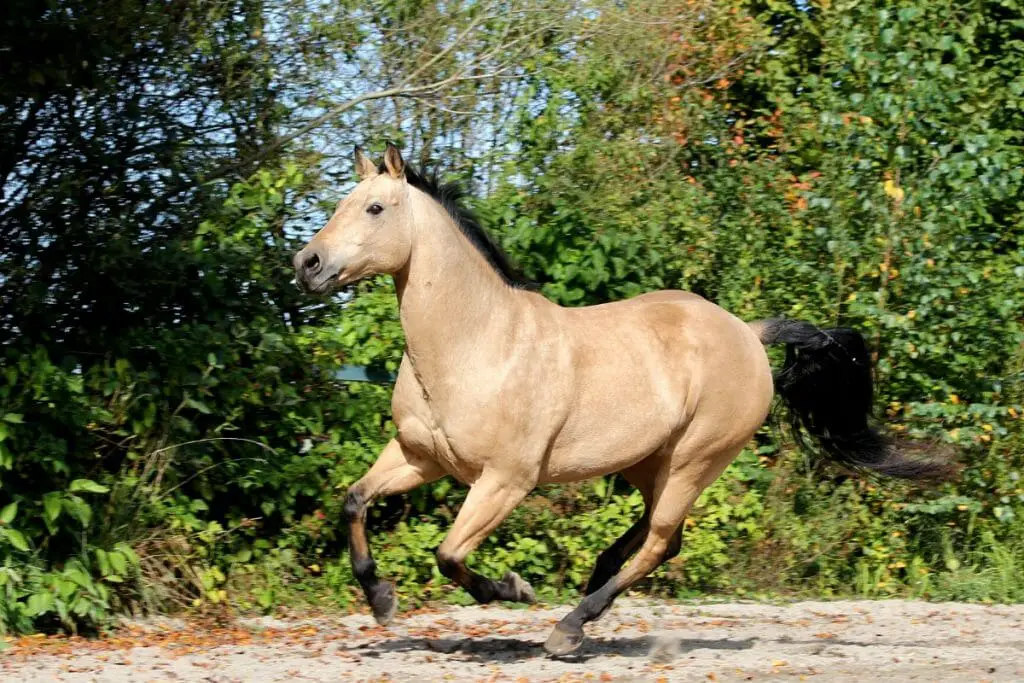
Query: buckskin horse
{"x": 503, "y": 389}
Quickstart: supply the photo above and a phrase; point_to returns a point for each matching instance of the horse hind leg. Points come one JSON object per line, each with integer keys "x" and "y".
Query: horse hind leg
{"x": 674, "y": 495}
{"x": 610, "y": 561}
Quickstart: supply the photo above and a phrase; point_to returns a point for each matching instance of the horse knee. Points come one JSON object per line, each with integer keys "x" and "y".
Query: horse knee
{"x": 355, "y": 505}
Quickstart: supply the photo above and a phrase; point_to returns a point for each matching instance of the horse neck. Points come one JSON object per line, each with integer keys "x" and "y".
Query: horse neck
{"x": 451, "y": 301}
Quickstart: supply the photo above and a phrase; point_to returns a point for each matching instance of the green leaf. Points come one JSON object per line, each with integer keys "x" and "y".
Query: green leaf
{"x": 128, "y": 552}
{"x": 13, "y": 418}
{"x": 88, "y": 486}
{"x": 79, "y": 577}
{"x": 8, "y": 513}
{"x": 51, "y": 506}
{"x": 198, "y": 405}
{"x": 118, "y": 562}
{"x": 103, "y": 560}
{"x": 65, "y": 588}
{"x": 62, "y": 611}
{"x": 77, "y": 508}
{"x": 39, "y": 603}
{"x": 16, "y": 539}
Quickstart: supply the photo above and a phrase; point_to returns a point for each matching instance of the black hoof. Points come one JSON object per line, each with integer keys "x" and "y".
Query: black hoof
{"x": 383, "y": 603}
{"x": 562, "y": 641}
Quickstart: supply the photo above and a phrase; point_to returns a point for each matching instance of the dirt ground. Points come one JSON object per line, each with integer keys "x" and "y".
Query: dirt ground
{"x": 636, "y": 641}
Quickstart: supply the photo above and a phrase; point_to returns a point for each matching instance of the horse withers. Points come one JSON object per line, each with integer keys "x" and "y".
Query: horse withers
{"x": 503, "y": 389}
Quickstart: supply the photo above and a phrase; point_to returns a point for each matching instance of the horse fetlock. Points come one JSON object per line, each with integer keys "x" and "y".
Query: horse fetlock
{"x": 364, "y": 568}
{"x": 449, "y": 565}
{"x": 563, "y": 640}
{"x": 518, "y": 589}
{"x": 383, "y": 602}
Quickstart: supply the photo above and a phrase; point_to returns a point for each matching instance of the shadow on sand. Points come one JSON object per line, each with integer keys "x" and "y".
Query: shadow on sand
{"x": 506, "y": 650}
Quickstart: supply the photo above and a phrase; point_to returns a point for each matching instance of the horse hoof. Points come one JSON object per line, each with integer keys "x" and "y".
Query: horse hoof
{"x": 561, "y": 641}
{"x": 384, "y": 604}
{"x": 522, "y": 590}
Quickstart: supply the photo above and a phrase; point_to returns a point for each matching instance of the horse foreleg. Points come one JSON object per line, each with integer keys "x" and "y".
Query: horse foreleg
{"x": 489, "y": 502}
{"x": 395, "y": 471}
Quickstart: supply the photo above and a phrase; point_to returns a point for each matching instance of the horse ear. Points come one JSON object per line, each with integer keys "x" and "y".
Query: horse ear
{"x": 364, "y": 167}
{"x": 393, "y": 162}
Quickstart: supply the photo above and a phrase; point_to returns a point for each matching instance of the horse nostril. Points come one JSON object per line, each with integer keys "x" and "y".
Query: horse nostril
{"x": 312, "y": 263}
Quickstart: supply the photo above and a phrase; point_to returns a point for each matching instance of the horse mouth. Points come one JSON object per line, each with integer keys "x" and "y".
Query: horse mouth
{"x": 321, "y": 287}
{"x": 331, "y": 285}
{"x": 326, "y": 287}
{"x": 345, "y": 279}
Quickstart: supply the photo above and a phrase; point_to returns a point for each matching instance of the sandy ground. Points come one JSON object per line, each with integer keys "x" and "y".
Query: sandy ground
{"x": 636, "y": 641}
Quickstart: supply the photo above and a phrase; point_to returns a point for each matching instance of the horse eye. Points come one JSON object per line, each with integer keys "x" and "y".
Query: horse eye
{"x": 374, "y": 209}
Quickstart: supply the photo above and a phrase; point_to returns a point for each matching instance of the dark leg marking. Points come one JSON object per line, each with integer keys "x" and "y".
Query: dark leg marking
{"x": 568, "y": 634}
{"x": 491, "y": 498}
{"x": 380, "y": 594}
{"x": 611, "y": 560}
{"x": 485, "y": 590}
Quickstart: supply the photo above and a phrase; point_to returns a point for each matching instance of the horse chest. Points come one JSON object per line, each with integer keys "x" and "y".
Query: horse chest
{"x": 434, "y": 442}
{"x": 449, "y": 437}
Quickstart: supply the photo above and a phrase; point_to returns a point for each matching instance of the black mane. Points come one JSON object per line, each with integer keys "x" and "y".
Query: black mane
{"x": 450, "y": 195}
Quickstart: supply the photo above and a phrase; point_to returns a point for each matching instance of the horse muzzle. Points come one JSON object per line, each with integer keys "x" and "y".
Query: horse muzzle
{"x": 314, "y": 273}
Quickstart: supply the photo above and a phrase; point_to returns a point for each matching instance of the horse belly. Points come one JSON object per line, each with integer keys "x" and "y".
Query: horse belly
{"x": 632, "y": 385}
{"x": 611, "y": 432}
{"x": 603, "y": 455}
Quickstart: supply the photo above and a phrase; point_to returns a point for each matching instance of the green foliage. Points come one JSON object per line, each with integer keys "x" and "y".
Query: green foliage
{"x": 136, "y": 484}
{"x": 859, "y": 165}
{"x": 171, "y": 436}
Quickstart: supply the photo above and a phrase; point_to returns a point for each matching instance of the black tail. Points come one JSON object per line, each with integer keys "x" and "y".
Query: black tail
{"x": 826, "y": 384}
